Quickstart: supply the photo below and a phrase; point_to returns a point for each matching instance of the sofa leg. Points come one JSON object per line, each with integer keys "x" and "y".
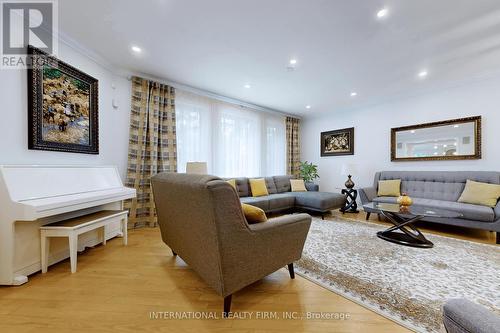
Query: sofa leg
{"x": 498, "y": 237}
{"x": 368, "y": 216}
{"x": 227, "y": 306}
{"x": 291, "y": 271}
{"x": 378, "y": 217}
{"x": 173, "y": 253}
{"x": 322, "y": 216}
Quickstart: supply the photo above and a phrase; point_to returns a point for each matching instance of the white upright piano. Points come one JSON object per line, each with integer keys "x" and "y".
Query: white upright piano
{"x": 31, "y": 196}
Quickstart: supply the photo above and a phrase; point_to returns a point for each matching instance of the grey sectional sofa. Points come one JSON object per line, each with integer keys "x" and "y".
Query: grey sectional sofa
{"x": 281, "y": 198}
{"x": 441, "y": 189}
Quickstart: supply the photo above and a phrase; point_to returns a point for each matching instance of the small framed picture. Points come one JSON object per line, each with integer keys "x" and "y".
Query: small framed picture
{"x": 337, "y": 142}
{"x": 62, "y": 106}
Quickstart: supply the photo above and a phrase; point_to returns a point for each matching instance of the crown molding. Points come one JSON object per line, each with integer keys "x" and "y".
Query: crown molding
{"x": 95, "y": 57}
{"x": 206, "y": 93}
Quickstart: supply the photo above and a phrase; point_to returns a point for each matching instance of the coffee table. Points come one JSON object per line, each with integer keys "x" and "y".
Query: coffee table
{"x": 403, "y": 220}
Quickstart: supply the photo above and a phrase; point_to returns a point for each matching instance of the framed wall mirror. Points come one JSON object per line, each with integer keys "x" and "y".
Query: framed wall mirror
{"x": 457, "y": 139}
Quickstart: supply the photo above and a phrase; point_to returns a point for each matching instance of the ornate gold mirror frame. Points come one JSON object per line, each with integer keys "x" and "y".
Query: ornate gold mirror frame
{"x": 397, "y": 147}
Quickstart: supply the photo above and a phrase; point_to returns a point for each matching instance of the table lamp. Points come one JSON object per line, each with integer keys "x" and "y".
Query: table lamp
{"x": 196, "y": 167}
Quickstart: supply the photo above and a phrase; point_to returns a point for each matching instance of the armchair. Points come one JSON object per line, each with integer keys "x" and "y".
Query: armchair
{"x": 367, "y": 195}
{"x": 201, "y": 220}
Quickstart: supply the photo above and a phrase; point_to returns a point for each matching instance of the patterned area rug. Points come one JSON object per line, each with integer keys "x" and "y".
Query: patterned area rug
{"x": 407, "y": 285}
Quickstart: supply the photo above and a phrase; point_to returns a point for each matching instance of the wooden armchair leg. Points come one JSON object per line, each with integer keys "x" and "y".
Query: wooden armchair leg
{"x": 368, "y": 216}
{"x": 291, "y": 271}
{"x": 498, "y": 237}
{"x": 227, "y": 305}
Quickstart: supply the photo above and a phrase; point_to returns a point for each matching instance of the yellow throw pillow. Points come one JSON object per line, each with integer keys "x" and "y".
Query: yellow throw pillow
{"x": 232, "y": 182}
{"x": 258, "y": 187}
{"x": 389, "y": 188}
{"x": 477, "y": 193}
{"x": 298, "y": 185}
{"x": 253, "y": 214}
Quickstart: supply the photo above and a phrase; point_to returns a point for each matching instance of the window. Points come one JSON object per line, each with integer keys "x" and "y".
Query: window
{"x": 234, "y": 141}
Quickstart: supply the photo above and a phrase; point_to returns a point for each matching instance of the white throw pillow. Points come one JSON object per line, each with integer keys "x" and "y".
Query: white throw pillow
{"x": 298, "y": 185}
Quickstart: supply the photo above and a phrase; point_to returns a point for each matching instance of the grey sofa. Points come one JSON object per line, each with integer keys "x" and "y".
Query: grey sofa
{"x": 281, "y": 198}
{"x": 201, "y": 220}
{"x": 441, "y": 189}
{"x": 463, "y": 316}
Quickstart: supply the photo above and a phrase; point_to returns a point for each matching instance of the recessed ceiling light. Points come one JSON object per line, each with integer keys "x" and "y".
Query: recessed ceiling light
{"x": 435, "y": 147}
{"x": 412, "y": 132}
{"x": 456, "y": 126}
{"x": 247, "y": 86}
{"x": 136, "y": 49}
{"x": 382, "y": 13}
{"x": 293, "y": 61}
{"x": 422, "y": 74}
{"x": 354, "y": 94}
{"x": 308, "y": 106}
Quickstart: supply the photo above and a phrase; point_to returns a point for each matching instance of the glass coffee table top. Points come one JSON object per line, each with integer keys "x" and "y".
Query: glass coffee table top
{"x": 415, "y": 210}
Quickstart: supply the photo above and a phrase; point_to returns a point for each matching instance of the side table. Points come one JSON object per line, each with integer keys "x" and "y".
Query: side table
{"x": 351, "y": 206}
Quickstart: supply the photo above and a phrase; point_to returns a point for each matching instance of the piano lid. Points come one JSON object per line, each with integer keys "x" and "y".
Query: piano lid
{"x": 29, "y": 182}
{"x": 31, "y": 192}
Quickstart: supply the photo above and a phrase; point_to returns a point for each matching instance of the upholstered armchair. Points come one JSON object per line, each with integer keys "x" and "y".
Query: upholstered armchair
{"x": 201, "y": 220}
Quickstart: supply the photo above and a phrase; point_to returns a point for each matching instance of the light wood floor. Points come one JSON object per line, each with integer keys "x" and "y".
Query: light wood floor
{"x": 116, "y": 288}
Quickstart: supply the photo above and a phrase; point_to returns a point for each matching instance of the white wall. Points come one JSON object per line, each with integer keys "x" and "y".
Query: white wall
{"x": 113, "y": 123}
{"x": 373, "y": 125}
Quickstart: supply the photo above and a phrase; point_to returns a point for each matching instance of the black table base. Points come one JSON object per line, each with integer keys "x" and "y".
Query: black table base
{"x": 351, "y": 206}
{"x": 409, "y": 235}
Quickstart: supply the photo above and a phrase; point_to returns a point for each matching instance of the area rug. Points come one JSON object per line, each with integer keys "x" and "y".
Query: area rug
{"x": 407, "y": 285}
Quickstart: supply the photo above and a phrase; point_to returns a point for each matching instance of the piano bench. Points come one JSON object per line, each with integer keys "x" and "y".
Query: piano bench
{"x": 71, "y": 228}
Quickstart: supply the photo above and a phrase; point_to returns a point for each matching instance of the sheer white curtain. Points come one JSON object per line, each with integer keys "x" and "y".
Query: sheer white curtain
{"x": 275, "y": 146}
{"x": 234, "y": 141}
{"x": 193, "y": 119}
{"x": 237, "y": 144}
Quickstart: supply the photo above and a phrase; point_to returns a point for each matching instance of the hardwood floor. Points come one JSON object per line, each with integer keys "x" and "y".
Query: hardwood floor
{"x": 116, "y": 288}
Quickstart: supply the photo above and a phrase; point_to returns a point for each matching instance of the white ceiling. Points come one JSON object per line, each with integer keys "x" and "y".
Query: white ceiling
{"x": 221, "y": 45}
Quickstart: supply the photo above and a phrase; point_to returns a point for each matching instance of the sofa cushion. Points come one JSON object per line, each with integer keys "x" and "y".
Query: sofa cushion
{"x": 283, "y": 183}
{"x": 319, "y": 200}
{"x": 389, "y": 188}
{"x": 253, "y": 214}
{"x": 271, "y": 187}
{"x": 281, "y": 201}
{"x": 298, "y": 185}
{"x": 258, "y": 187}
{"x": 261, "y": 202}
{"x": 469, "y": 211}
{"x": 480, "y": 194}
{"x": 232, "y": 182}
{"x": 242, "y": 187}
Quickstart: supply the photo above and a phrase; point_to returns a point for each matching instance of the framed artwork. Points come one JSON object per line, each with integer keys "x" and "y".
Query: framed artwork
{"x": 338, "y": 142}
{"x": 62, "y": 106}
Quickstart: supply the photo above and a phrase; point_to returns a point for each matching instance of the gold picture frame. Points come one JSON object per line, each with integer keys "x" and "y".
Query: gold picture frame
{"x": 477, "y": 154}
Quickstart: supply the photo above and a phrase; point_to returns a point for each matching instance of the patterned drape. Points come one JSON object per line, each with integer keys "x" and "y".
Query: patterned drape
{"x": 292, "y": 146}
{"x": 152, "y": 145}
